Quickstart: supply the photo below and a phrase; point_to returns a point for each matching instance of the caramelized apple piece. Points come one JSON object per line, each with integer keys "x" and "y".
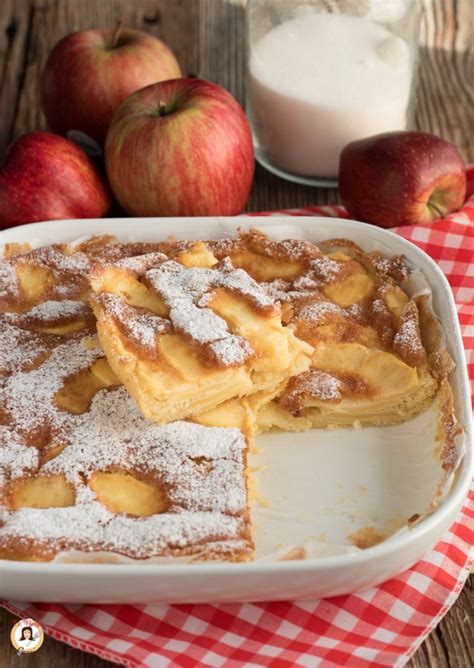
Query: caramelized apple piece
{"x": 77, "y": 393}
{"x": 121, "y": 492}
{"x": 44, "y": 491}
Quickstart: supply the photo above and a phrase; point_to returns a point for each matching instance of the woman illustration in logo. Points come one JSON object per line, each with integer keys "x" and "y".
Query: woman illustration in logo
{"x": 26, "y": 639}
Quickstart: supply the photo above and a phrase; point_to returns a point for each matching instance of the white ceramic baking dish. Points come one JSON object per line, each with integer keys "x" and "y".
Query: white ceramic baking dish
{"x": 325, "y": 484}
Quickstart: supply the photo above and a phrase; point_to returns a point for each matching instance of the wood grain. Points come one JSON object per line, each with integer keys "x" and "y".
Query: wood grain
{"x": 446, "y": 93}
{"x": 208, "y": 37}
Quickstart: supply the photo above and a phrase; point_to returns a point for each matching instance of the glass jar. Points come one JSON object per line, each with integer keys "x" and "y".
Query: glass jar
{"x": 322, "y": 73}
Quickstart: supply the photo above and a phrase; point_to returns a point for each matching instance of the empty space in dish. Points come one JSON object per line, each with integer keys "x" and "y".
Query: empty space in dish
{"x": 331, "y": 491}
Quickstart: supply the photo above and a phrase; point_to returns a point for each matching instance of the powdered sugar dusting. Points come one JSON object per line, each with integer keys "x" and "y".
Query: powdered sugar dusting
{"x": 49, "y": 311}
{"x": 29, "y": 395}
{"x": 93, "y": 528}
{"x": 16, "y": 458}
{"x": 395, "y": 267}
{"x": 115, "y": 434}
{"x": 140, "y": 263}
{"x": 285, "y": 291}
{"x": 323, "y": 386}
{"x": 407, "y": 342}
{"x": 297, "y": 249}
{"x": 226, "y": 350}
{"x": 9, "y": 284}
{"x": 281, "y": 290}
{"x": 239, "y": 281}
{"x": 293, "y": 250}
{"x": 407, "y": 335}
{"x": 174, "y": 281}
{"x": 305, "y": 283}
{"x": 277, "y": 289}
{"x": 142, "y": 327}
{"x": 205, "y": 503}
{"x": 313, "y": 383}
{"x": 68, "y": 271}
{"x": 186, "y": 291}
{"x": 21, "y": 345}
{"x": 325, "y": 269}
{"x": 54, "y": 258}
{"x": 19, "y": 348}
{"x": 317, "y": 311}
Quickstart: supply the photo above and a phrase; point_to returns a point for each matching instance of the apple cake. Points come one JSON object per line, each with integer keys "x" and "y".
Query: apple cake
{"x": 81, "y": 469}
{"x": 125, "y": 427}
{"x": 186, "y": 335}
{"x": 371, "y": 362}
{"x": 370, "y": 365}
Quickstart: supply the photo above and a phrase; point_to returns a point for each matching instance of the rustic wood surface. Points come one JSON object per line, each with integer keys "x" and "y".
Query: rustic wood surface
{"x": 208, "y": 38}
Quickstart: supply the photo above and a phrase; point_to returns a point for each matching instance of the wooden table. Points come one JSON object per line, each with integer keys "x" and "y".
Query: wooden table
{"x": 208, "y": 38}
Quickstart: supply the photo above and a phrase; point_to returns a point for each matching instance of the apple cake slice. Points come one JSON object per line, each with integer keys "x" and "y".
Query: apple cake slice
{"x": 186, "y": 335}
{"x": 50, "y": 273}
{"x": 371, "y": 363}
{"x": 126, "y": 486}
{"x": 81, "y": 469}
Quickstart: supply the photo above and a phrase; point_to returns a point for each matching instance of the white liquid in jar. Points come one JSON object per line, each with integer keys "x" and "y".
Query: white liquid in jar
{"x": 320, "y": 81}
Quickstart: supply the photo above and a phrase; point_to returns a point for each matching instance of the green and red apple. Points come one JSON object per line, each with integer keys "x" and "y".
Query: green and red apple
{"x": 180, "y": 148}
{"x": 401, "y": 178}
{"x": 89, "y": 73}
{"x": 47, "y": 177}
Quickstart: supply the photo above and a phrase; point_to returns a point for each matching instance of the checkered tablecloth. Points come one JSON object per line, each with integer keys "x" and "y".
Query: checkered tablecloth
{"x": 382, "y": 626}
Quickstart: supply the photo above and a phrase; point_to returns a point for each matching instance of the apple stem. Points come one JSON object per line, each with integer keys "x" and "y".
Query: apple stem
{"x": 164, "y": 108}
{"x": 116, "y": 35}
{"x": 433, "y": 207}
{"x": 439, "y": 211}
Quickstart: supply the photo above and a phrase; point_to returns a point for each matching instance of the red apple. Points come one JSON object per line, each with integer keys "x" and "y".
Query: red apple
{"x": 401, "y": 178}
{"x": 89, "y": 73}
{"x": 47, "y": 177}
{"x": 470, "y": 180}
{"x": 180, "y": 148}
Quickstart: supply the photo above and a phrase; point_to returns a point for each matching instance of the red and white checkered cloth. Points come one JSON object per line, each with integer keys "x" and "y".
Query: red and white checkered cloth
{"x": 382, "y": 626}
